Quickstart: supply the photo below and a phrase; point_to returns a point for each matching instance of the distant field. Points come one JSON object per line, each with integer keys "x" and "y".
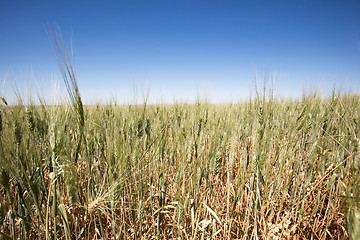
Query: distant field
{"x": 265, "y": 168}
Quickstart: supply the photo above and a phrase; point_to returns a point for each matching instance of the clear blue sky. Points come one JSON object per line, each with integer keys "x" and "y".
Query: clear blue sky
{"x": 181, "y": 50}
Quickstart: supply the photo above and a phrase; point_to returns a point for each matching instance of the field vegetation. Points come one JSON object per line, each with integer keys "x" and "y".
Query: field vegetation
{"x": 266, "y": 168}
{"x": 260, "y": 168}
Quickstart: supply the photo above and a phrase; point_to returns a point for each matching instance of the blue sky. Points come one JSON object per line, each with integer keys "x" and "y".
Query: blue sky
{"x": 180, "y": 50}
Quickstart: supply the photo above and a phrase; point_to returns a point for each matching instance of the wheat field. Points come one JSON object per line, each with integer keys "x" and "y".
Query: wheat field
{"x": 266, "y": 168}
